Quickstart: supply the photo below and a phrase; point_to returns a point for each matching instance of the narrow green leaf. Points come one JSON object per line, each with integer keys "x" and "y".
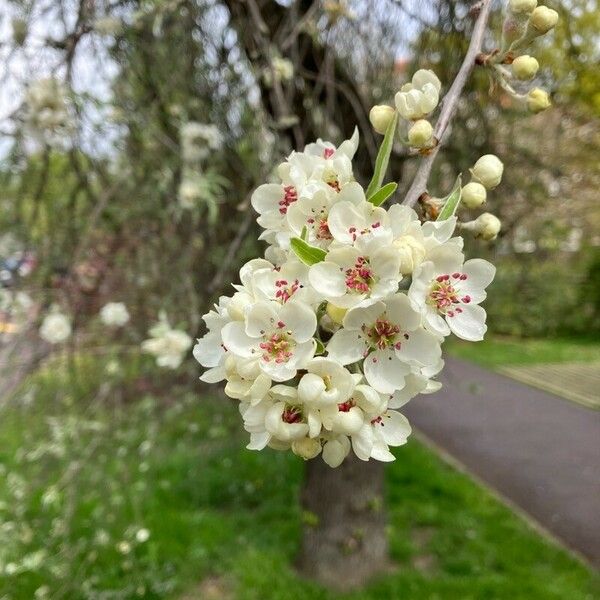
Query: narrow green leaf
{"x": 304, "y": 233}
{"x": 452, "y": 201}
{"x": 381, "y": 195}
{"x": 320, "y": 347}
{"x": 383, "y": 157}
{"x": 309, "y": 255}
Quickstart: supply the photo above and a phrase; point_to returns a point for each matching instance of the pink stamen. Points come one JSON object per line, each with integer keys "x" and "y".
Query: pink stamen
{"x": 290, "y": 195}
{"x": 291, "y": 414}
{"x": 328, "y": 152}
{"x": 277, "y": 348}
{"x": 359, "y": 278}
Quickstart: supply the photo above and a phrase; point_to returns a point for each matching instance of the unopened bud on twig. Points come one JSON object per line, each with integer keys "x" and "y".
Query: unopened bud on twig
{"x": 307, "y": 448}
{"x": 488, "y": 171}
{"x": 485, "y": 226}
{"x": 420, "y": 134}
{"x": 335, "y": 313}
{"x": 473, "y": 194}
{"x": 543, "y": 19}
{"x": 538, "y": 100}
{"x": 380, "y": 117}
{"x": 525, "y": 67}
{"x": 521, "y": 6}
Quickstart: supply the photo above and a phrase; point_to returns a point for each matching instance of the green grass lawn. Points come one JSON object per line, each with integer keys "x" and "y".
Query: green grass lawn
{"x": 497, "y": 350}
{"x": 84, "y": 484}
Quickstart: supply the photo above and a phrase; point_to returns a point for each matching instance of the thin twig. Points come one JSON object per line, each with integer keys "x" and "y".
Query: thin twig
{"x": 450, "y": 104}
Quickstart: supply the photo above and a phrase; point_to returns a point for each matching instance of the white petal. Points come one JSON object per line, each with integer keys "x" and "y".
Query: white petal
{"x": 400, "y": 312}
{"x": 258, "y": 441}
{"x": 346, "y": 347}
{"x": 236, "y": 341}
{"x": 328, "y": 279}
{"x": 395, "y": 428}
{"x": 335, "y": 451}
{"x": 214, "y": 375}
{"x": 480, "y": 274}
{"x": 362, "y": 443}
{"x": 384, "y": 371}
{"x": 266, "y": 197}
{"x": 421, "y": 346}
{"x": 261, "y": 318}
{"x": 208, "y": 350}
{"x": 468, "y": 324}
{"x": 310, "y": 388}
{"x": 298, "y": 318}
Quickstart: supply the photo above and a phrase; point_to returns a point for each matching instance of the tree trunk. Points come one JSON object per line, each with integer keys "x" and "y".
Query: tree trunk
{"x": 344, "y": 540}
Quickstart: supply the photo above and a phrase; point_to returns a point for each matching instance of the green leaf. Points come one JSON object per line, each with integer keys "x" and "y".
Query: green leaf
{"x": 320, "y": 347}
{"x": 383, "y": 157}
{"x": 381, "y": 195}
{"x": 304, "y": 233}
{"x": 309, "y": 255}
{"x": 452, "y": 200}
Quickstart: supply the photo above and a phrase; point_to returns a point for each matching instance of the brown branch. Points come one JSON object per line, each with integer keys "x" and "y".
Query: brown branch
{"x": 450, "y": 104}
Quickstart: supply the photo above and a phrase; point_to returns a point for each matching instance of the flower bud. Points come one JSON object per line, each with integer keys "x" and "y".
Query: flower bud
{"x": 538, "y": 100}
{"x": 525, "y": 67}
{"x": 306, "y": 448}
{"x": 488, "y": 171}
{"x": 543, "y": 19}
{"x": 380, "y": 117}
{"x": 335, "y": 313}
{"x": 485, "y": 226}
{"x": 473, "y": 194}
{"x": 521, "y": 6}
{"x": 419, "y": 135}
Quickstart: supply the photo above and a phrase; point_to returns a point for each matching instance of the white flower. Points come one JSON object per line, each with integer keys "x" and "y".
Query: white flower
{"x": 417, "y": 99}
{"x": 279, "y": 337}
{"x": 142, "y": 535}
{"x": 56, "y": 328}
{"x": 189, "y": 192}
{"x": 351, "y": 274}
{"x": 168, "y": 345}
{"x": 448, "y": 293}
{"x": 389, "y": 336}
{"x": 381, "y": 431}
{"x": 114, "y": 314}
{"x": 335, "y": 450}
{"x": 198, "y": 139}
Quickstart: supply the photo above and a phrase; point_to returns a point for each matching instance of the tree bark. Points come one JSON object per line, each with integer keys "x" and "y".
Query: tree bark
{"x": 344, "y": 542}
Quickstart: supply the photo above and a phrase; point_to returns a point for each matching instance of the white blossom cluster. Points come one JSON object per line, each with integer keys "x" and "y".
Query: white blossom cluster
{"x": 343, "y": 320}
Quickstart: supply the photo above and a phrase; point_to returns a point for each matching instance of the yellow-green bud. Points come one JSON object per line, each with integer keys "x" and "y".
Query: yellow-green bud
{"x": 335, "y": 313}
{"x": 420, "y": 133}
{"x": 306, "y": 447}
{"x": 538, "y": 100}
{"x": 380, "y": 117}
{"x": 522, "y": 6}
{"x": 525, "y": 67}
{"x": 485, "y": 226}
{"x": 473, "y": 194}
{"x": 543, "y": 19}
{"x": 488, "y": 171}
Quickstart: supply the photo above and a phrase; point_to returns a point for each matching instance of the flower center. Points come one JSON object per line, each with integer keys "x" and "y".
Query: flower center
{"x": 346, "y": 406}
{"x": 444, "y": 296}
{"x": 291, "y": 414}
{"x": 277, "y": 347}
{"x": 360, "y": 278}
{"x": 331, "y": 179}
{"x": 284, "y": 290}
{"x": 354, "y": 233}
{"x": 290, "y": 195}
{"x": 382, "y": 334}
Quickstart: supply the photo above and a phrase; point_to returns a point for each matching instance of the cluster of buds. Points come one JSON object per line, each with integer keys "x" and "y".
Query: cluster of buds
{"x": 415, "y": 101}
{"x": 524, "y": 22}
{"x": 342, "y": 322}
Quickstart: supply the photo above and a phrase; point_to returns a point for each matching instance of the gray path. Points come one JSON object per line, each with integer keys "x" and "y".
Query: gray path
{"x": 539, "y": 450}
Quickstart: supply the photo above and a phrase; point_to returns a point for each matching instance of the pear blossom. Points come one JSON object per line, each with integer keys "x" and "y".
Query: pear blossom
{"x": 278, "y": 337}
{"x": 389, "y": 337}
{"x": 324, "y": 339}
{"x": 168, "y": 345}
{"x": 418, "y": 98}
{"x": 448, "y": 293}
{"x": 114, "y": 314}
{"x": 56, "y": 328}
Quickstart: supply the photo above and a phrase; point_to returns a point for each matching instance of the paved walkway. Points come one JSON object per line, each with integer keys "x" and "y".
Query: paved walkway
{"x": 538, "y": 450}
{"x": 578, "y": 382}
